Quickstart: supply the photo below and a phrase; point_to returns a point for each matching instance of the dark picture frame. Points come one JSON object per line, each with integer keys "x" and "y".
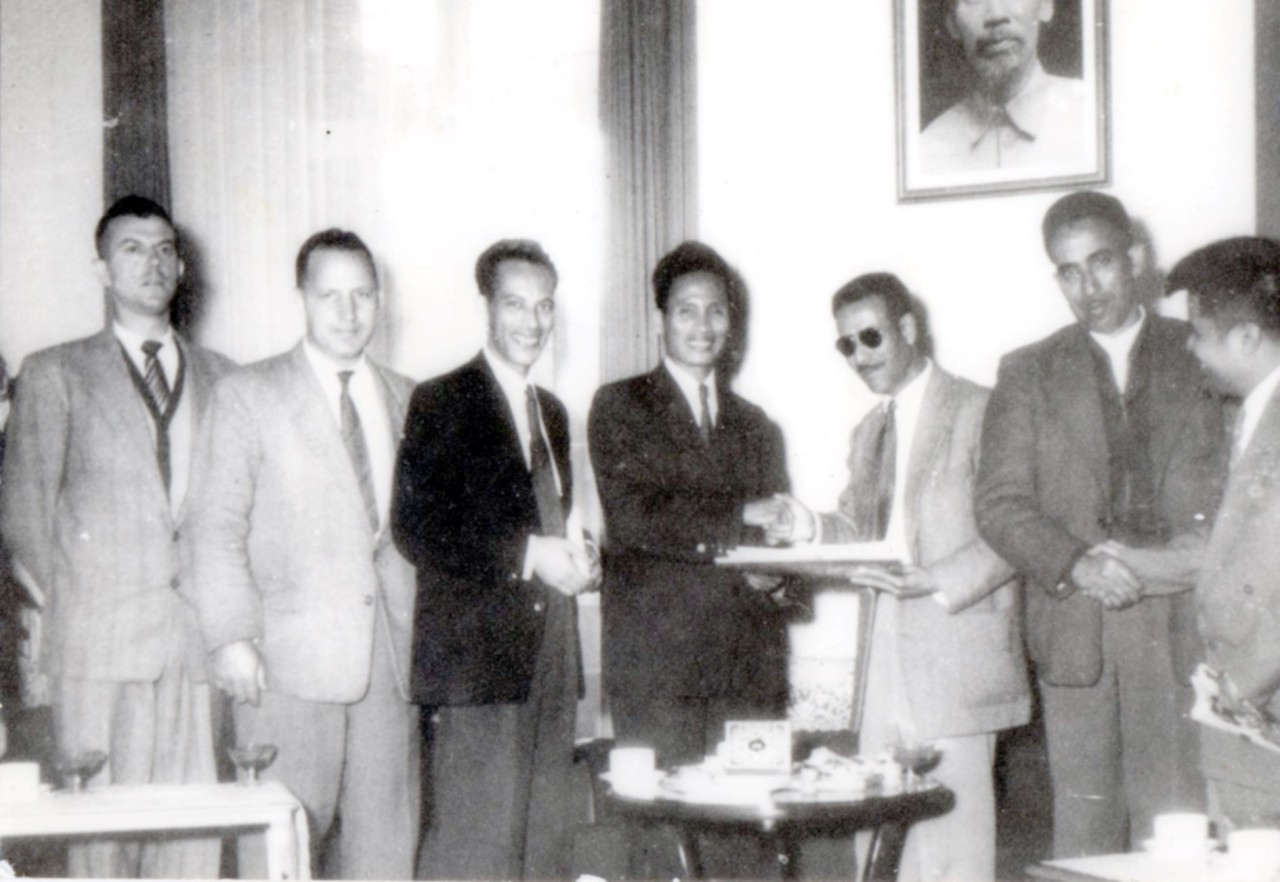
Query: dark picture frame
{"x": 953, "y": 141}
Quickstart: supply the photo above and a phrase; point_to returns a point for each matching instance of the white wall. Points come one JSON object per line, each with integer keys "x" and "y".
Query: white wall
{"x": 797, "y": 187}
{"x": 50, "y": 172}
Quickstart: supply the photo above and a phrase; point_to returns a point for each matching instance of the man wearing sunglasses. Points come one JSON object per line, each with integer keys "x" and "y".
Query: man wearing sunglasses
{"x": 1104, "y": 436}
{"x": 946, "y": 660}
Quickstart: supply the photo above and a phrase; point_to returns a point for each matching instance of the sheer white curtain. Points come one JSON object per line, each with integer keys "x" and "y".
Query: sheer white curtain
{"x": 431, "y": 128}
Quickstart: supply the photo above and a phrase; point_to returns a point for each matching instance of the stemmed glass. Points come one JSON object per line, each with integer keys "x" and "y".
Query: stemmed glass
{"x": 916, "y": 758}
{"x": 77, "y": 769}
{"x": 251, "y": 759}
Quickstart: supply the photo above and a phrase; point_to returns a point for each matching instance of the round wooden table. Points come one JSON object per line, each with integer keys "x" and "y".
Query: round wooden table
{"x": 793, "y": 817}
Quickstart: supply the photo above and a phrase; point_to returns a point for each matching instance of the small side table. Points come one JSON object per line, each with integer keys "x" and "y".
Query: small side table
{"x": 788, "y": 823}
{"x": 171, "y": 807}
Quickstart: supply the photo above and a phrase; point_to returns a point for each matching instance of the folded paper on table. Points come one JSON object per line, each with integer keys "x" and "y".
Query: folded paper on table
{"x": 1209, "y": 711}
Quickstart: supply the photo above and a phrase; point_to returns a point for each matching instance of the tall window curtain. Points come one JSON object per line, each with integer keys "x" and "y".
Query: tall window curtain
{"x": 648, "y": 111}
{"x": 263, "y": 127}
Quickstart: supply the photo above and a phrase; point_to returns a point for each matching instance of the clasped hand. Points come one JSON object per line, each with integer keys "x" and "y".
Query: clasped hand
{"x": 784, "y": 519}
{"x": 565, "y": 566}
{"x": 1106, "y": 579}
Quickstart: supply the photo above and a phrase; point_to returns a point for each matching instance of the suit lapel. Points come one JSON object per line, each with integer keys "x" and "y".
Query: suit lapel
{"x": 504, "y": 420}
{"x": 1254, "y": 475}
{"x": 936, "y": 419}
{"x": 315, "y": 423}
{"x": 120, "y": 403}
{"x": 1075, "y": 396}
{"x": 196, "y": 383}
{"x": 674, "y": 407}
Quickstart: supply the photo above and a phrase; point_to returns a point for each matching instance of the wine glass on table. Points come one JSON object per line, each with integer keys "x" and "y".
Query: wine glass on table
{"x": 251, "y": 759}
{"x": 917, "y": 758}
{"x": 76, "y": 769}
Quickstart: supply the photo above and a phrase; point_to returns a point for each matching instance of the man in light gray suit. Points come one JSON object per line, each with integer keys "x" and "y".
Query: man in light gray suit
{"x": 946, "y": 661}
{"x": 304, "y": 601}
{"x": 95, "y": 477}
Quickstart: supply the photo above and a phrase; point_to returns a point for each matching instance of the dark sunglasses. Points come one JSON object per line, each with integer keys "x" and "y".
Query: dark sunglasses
{"x": 868, "y": 337}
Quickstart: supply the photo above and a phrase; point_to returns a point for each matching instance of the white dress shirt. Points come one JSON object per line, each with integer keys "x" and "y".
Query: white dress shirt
{"x": 688, "y": 385}
{"x": 1119, "y": 346}
{"x": 372, "y": 410}
{"x": 181, "y": 428}
{"x": 906, "y": 415}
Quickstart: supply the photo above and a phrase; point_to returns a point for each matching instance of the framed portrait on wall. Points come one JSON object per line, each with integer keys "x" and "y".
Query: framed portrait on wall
{"x": 1000, "y": 96}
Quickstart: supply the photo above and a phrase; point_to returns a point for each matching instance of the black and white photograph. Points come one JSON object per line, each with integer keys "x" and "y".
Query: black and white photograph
{"x": 640, "y": 439}
{"x": 1001, "y": 96}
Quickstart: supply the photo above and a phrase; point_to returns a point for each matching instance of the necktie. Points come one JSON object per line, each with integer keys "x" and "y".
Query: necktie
{"x": 884, "y": 464}
{"x": 550, "y": 511}
{"x": 160, "y": 401}
{"x": 153, "y": 375}
{"x": 353, "y": 437}
{"x": 704, "y": 425}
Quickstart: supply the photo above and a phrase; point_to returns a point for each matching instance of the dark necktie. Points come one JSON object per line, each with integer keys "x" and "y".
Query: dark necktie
{"x": 884, "y": 464}
{"x": 353, "y": 437}
{"x": 550, "y": 512}
{"x": 704, "y": 426}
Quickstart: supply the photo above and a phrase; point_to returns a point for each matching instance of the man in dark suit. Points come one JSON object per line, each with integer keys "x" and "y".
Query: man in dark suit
{"x": 304, "y": 602}
{"x": 1104, "y": 432}
{"x": 95, "y": 480}
{"x": 483, "y": 488}
{"x": 1234, "y": 300}
{"x": 687, "y": 469}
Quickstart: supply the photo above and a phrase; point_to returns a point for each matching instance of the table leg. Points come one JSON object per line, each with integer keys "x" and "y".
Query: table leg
{"x": 288, "y": 849}
{"x": 884, "y": 853}
{"x": 690, "y": 855}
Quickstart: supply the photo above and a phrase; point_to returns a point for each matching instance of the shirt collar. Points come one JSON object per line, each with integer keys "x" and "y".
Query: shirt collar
{"x": 1025, "y": 111}
{"x": 133, "y": 341}
{"x": 513, "y": 382}
{"x": 688, "y": 385}
{"x": 911, "y": 396}
{"x": 326, "y": 368}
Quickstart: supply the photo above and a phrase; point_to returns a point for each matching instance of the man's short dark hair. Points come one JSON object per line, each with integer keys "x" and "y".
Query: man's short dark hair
{"x": 897, "y": 300}
{"x": 1234, "y": 280}
{"x": 127, "y": 206}
{"x": 1087, "y": 205}
{"x": 332, "y": 239}
{"x": 686, "y": 258}
{"x": 886, "y": 286}
{"x": 510, "y": 249}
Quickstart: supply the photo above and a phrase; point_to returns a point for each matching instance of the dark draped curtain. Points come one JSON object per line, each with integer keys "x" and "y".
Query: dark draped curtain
{"x": 648, "y": 112}
{"x": 135, "y": 125}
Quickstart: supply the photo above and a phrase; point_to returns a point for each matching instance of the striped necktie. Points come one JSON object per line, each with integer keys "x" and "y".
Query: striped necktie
{"x": 353, "y": 437}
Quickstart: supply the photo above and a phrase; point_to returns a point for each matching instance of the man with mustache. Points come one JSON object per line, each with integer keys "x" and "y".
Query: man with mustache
{"x": 945, "y": 664}
{"x": 1015, "y": 115}
{"x": 1104, "y": 434}
{"x": 482, "y": 504}
{"x": 95, "y": 484}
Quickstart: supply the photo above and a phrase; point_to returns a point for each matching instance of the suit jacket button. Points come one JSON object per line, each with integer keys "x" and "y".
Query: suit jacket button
{"x": 1248, "y": 589}
{"x": 702, "y": 548}
{"x": 175, "y": 581}
{"x": 177, "y": 534}
{"x": 537, "y": 607}
{"x": 368, "y": 600}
